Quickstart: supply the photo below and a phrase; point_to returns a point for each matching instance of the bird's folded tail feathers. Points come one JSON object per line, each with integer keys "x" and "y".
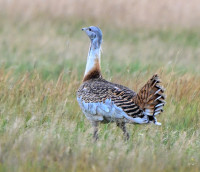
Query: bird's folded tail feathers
{"x": 151, "y": 97}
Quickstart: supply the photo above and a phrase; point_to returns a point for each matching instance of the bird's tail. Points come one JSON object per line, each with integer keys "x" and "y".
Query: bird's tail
{"x": 151, "y": 98}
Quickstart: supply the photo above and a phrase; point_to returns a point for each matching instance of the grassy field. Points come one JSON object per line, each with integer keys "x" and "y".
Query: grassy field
{"x": 42, "y": 128}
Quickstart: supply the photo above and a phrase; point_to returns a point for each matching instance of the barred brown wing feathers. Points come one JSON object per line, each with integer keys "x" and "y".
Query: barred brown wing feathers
{"x": 151, "y": 97}
{"x": 98, "y": 90}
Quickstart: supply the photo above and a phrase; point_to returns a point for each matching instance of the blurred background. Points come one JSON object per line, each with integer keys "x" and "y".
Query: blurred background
{"x": 38, "y": 34}
{"x": 123, "y": 13}
{"x": 43, "y": 55}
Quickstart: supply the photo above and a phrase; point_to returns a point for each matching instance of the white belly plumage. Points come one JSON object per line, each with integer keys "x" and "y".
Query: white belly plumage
{"x": 107, "y": 111}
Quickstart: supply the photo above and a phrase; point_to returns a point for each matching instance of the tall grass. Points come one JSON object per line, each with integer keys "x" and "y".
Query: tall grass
{"x": 41, "y": 125}
{"x": 43, "y": 129}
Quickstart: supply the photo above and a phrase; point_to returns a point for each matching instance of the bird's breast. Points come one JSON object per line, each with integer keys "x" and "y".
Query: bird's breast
{"x": 100, "y": 111}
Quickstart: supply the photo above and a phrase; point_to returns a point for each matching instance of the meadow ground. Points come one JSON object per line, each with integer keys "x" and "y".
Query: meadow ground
{"x": 41, "y": 125}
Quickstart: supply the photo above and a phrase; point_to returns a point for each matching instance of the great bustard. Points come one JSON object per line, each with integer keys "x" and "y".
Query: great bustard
{"x": 103, "y": 101}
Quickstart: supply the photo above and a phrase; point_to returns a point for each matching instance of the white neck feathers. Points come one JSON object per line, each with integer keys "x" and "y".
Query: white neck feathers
{"x": 93, "y": 68}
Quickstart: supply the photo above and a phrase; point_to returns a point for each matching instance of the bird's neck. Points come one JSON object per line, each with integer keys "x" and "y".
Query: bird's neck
{"x": 93, "y": 66}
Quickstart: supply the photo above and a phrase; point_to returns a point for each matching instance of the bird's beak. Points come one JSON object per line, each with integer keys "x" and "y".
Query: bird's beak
{"x": 84, "y": 29}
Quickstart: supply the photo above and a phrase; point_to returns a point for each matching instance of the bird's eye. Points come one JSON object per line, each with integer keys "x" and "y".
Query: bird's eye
{"x": 89, "y": 29}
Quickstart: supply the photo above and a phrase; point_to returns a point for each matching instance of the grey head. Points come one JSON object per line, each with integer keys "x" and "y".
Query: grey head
{"x": 95, "y": 35}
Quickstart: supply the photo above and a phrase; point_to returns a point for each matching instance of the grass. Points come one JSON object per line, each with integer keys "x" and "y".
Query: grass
{"x": 41, "y": 125}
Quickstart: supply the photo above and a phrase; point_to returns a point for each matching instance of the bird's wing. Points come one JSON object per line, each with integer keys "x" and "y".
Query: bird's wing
{"x": 99, "y": 90}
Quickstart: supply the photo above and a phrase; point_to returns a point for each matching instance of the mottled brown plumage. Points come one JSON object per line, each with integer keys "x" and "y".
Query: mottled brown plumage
{"x": 98, "y": 90}
{"x": 152, "y": 94}
{"x": 151, "y": 97}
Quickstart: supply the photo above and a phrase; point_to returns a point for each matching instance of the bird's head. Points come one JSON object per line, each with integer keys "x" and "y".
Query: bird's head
{"x": 95, "y": 35}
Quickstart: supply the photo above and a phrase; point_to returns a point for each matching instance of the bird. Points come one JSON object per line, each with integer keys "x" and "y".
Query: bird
{"x": 105, "y": 102}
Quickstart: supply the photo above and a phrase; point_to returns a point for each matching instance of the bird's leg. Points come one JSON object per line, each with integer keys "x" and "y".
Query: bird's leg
{"x": 95, "y": 133}
{"x": 122, "y": 125}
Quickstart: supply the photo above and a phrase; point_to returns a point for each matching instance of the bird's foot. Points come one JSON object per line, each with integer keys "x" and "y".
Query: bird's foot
{"x": 157, "y": 123}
